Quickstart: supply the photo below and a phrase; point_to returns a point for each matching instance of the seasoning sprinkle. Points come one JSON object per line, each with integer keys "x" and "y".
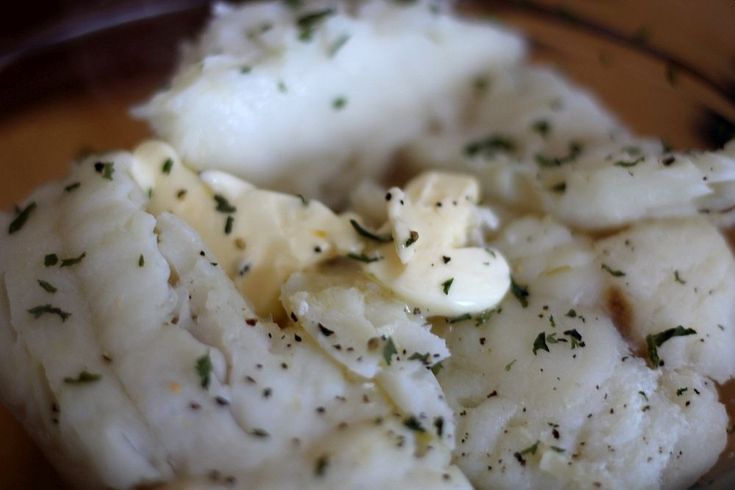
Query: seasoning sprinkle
{"x": 678, "y": 278}
{"x": 363, "y": 258}
{"x": 223, "y": 205}
{"x": 611, "y": 271}
{"x": 203, "y": 368}
{"x": 261, "y": 433}
{"x": 308, "y": 23}
{"x": 540, "y": 343}
{"x": 368, "y": 234}
{"x": 21, "y": 218}
{"x": 520, "y": 292}
{"x": 105, "y": 168}
{"x": 73, "y": 260}
{"x": 167, "y": 165}
{"x": 446, "y": 285}
{"x": 654, "y": 341}
{"x": 413, "y": 423}
{"x": 575, "y": 149}
{"x": 339, "y": 103}
{"x": 50, "y": 260}
{"x": 46, "y": 286}
{"x": 413, "y": 237}
{"x": 389, "y": 349}
{"x": 489, "y": 146}
{"x": 460, "y": 318}
{"x": 72, "y": 187}
{"x": 321, "y": 465}
{"x": 38, "y": 311}
{"x": 629, "y": 163}
{"x": 542, "y": 127}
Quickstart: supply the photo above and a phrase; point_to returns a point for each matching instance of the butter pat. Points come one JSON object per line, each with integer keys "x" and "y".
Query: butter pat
{"x": 259, "y": 237}
{"x": 429, "y": 264}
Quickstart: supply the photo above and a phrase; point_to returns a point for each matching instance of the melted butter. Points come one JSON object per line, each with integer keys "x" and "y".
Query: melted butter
{"x": 269, "y": 237}
{"x": 429, "y": 263}
{"x": 261, "y": 237}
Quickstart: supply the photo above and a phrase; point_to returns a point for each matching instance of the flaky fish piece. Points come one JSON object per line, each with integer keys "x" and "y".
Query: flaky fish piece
{"x": 132, "y": 360}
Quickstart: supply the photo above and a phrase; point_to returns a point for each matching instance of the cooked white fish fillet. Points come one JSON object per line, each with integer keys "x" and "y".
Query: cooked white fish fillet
{"x": 559, "y": 263}
{"x": 675, "y": 273}
{"x": 550, "y": 397}
{"x": 538, "y": 143}
{"x": 138, "y": 362}
{"x": 373, "y": 335}
{"x": 238, "y": 101}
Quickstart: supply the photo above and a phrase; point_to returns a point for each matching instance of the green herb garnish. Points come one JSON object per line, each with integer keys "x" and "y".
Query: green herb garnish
{"x": 412, "y": 238}
{"x": 38, "y": 311}
{"x": 73, "y": 260}
{"x": 678, "y": 278}
{"x": 611, "y": 271}
{"x": 339, "y": 103}
{"x": 105, "y": 168}
{"x": 520, "y": 292}
{"x": 413, "y": 424}
{"x": 575, "y": 149}
{"x": 629, "y": 163}
{"x": 489, "y": 146}
{"x": 167, "y": 165}
{"x": 389, "y": 349}
{"x": 321, "y": 465}
{"x": 460, "y": 318}
{"x": 509, "y": 366}
{"x": 363, "y": 258}
{"x": 484, "y": 316}
{"x": 262, "y": 433}
{"x": 50, "y": 260}
{"x": 540, "y": 343}
{"x": 141, "y": 261}
{"x": 203, "y": 368}
{"x": 368, "y": 234}
{"x": 228, "y": 224}
{"x": 575, "y": 338}
{"x": 446, "y": 285}
{"x": 223, "y": 205}
{"x": 20, "y": 218}
{"x": 308, "y": 23}
{"x": 654, "y": 341}
{"x": 560, "y": 188}
{"x": 72, "y": 187}
{"x": 424, "y": 358}
{"x": 542, "y": 127}
{"x": 681, "y": 391}
{"x": 46, "y": 286}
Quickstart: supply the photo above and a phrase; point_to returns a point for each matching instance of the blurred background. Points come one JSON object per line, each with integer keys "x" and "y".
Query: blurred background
{"x": 71, "y": 69}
